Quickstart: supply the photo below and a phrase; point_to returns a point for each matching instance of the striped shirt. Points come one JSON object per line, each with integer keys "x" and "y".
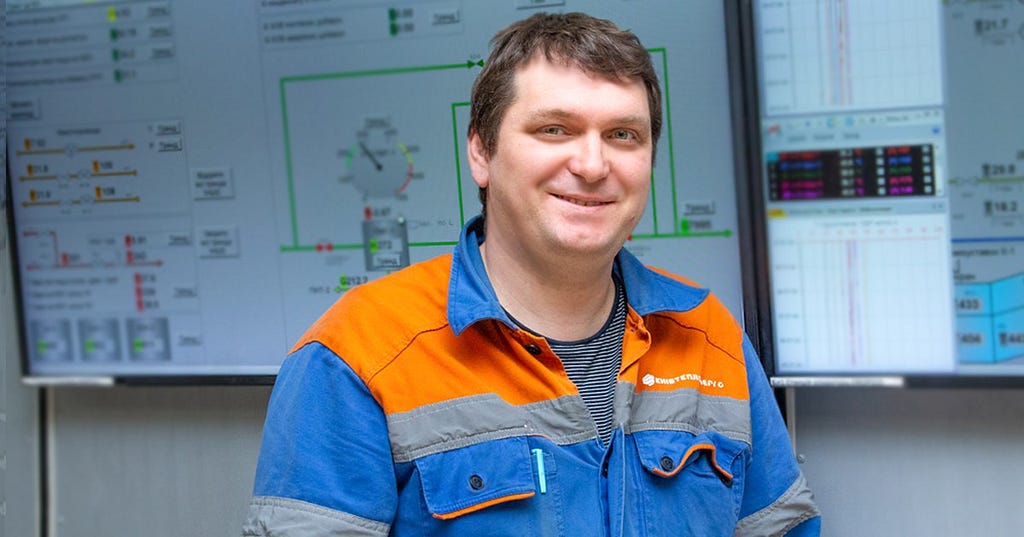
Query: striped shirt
{"x": 592, "y": 364}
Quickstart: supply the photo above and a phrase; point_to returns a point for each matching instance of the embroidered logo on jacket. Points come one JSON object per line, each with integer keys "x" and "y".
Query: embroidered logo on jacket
{"x": 651, "y": 380}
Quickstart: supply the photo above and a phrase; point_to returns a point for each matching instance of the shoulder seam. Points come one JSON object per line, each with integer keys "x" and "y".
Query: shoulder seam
{"x": 389, "y": 357}
{"x": 738, "y": 359}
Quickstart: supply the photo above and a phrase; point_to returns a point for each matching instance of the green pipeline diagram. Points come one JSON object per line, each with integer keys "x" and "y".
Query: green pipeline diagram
{"x": 361, "y": 148}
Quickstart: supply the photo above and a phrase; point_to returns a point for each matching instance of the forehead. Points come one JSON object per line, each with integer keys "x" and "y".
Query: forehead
{"x": 542, "y": 83}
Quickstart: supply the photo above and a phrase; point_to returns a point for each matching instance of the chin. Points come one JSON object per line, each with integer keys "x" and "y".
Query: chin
{"x": 588, "y": 246}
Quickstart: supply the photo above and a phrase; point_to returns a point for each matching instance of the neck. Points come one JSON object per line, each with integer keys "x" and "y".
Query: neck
{"x": 566, "y": 299}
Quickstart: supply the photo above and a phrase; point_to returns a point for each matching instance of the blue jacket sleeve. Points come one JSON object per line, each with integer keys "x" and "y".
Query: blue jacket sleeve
{"x": 325, "y": 458}
{"x": 777, "y": 500}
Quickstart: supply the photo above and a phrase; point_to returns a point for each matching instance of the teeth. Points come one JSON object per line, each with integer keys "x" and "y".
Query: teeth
{"x": 580, "y": 202}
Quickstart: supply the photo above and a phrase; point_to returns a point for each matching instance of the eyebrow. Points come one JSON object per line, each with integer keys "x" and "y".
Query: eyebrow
{"x": 548, "y": 114}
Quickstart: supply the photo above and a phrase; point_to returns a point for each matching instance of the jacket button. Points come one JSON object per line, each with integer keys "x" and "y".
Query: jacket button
{"x": 532, "y": 349}
{"x": 476, "y": 482}
{"x": 667, "y": 464}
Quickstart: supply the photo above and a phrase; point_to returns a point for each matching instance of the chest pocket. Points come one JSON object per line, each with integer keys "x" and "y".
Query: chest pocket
{"x": 690, "y": 484}
{"x": 490, "y": 488}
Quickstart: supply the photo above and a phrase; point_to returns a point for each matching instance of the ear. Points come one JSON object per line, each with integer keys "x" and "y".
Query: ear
{"x": 479, "y": 163}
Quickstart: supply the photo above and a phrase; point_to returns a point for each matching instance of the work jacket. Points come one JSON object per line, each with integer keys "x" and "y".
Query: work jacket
{"x": 416, "y": 407}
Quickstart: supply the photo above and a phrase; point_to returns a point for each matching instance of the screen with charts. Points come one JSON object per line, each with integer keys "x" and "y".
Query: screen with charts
{"x": 193, "y": 183}
{"x": 892, "y": 186}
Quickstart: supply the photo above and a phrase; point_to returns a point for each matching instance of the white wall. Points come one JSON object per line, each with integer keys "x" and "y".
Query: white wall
{"x": 19, "y": 447}
{"x": 155, "y": 461}
{"x": 922, "y": 462}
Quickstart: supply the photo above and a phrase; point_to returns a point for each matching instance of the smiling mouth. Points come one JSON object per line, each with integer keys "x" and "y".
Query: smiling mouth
{"x": 581, "y": 203}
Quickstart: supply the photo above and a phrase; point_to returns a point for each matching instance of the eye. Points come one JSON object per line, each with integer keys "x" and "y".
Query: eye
{"x": 624, "y": 134}
{"x": 554, "y": 130}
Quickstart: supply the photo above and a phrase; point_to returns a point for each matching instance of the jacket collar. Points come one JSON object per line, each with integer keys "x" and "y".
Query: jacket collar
{"x": 471, "y": 297}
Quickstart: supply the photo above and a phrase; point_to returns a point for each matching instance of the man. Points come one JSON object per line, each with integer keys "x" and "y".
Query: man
{"x": 539, "y": 380}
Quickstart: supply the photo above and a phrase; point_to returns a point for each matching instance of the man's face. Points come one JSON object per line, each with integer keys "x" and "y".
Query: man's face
{"x": 571, "y": 171}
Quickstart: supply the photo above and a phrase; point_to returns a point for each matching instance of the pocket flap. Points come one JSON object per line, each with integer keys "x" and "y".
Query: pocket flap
{"x": 468, "y": 479}
{"x": 666, "y": 453}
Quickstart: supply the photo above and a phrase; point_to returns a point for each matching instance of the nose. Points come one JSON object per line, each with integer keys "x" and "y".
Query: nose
{"x": 589, "y": 161}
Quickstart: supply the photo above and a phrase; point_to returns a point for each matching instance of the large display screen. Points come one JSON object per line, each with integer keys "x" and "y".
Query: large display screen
{"x": 193, "y": 182}
{"x": 892, "y": 154}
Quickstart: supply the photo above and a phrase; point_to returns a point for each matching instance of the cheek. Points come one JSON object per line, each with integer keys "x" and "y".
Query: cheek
{"x": 640, "y": 189}
{"x": 637, "y": 169}
{"x": 638, "y": 214}
{"x": 640, "y": 180}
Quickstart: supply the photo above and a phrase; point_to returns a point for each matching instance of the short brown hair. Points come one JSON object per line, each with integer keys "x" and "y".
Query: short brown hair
{"x": 596, "y": 46}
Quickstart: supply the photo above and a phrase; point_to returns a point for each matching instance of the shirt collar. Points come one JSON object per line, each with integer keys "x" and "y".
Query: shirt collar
{"x": 471, "y": 297}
